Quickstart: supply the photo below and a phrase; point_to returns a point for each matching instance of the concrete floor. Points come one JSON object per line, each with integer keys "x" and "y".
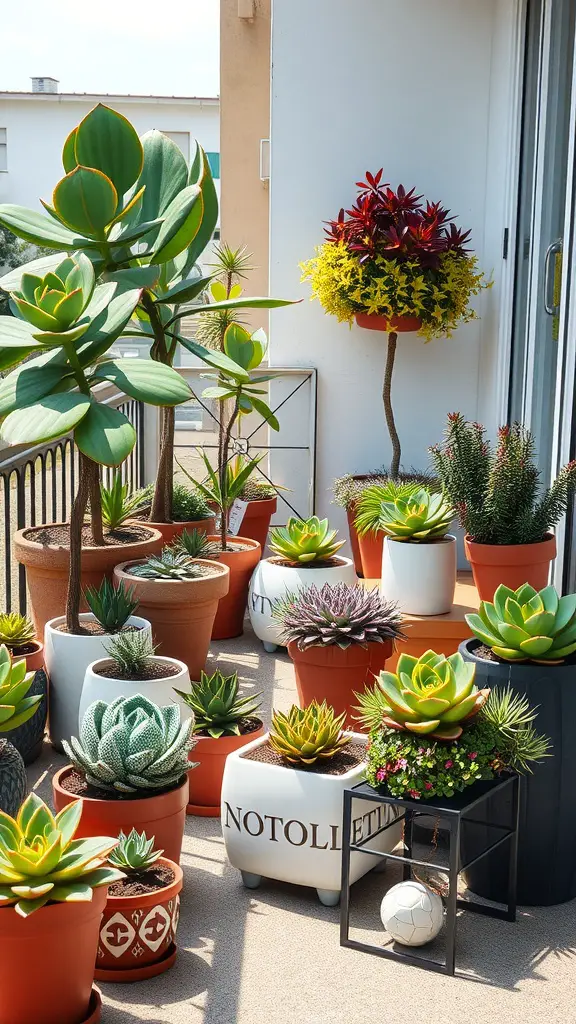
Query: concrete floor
{"x": 271, "y": 956}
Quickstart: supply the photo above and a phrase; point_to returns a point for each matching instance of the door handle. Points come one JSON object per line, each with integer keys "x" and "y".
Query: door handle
{"x": 550, "y": 305}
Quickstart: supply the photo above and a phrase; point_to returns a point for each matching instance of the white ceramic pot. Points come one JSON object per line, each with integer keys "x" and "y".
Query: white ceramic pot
{"x": 286, "y": 823}
{"x": 67, "y": 658}
{"x": 420, "y": 577}
{"x": 271, "y": 581}
{"x": 160, "y": 691}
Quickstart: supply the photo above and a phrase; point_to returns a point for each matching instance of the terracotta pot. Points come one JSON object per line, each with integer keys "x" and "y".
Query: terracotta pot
{"x": 137, "y": 932}
{"x": 34, "y": 660}
{"x": 510, "y": 564}
{"x": 181, "y": 612}
{"x": 354, "y": 540}
{"x": 334, "y": 675}
{"x": 205, "y": 780}
{"x": 60, "y": 940}
{"x": 229, "y": 620}
{"x": 371, "y": 547}
{"x": 400, "y": 324}
{"x": 162, "y": 815}
{"x": 256, "y": 521}
{"x": 47, "y": 568}
{"x": 171, "y": 530}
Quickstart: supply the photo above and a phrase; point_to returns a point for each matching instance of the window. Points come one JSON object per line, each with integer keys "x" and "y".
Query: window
{"x": 214, "y": 161}
{"x": 182, "y": 140}
{"x": 3, "y": 150}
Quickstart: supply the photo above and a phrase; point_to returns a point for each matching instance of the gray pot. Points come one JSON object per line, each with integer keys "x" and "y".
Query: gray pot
{"x": 13, "y": 781}
{"x": 28, "y": 738}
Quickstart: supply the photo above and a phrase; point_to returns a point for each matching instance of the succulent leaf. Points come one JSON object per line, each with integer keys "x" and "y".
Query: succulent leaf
{"x": 217, "y": 704}
{"x": 305, "y": 735}
{"x": 526, "y": 624}
{"x": 337, "y": 614}
{"x": 305, "y": 540}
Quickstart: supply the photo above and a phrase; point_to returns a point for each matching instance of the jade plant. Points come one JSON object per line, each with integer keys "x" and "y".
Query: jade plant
{"x": 134, "y": 853}
{"x": 131, "y": 745}
{"x": 41, "y": 862}
{"x": 432, "y": 695}
{"x": 16, "y": 630}
{"x": 412, "y": 514}
{"x": 496, "y": 491}
{"x": 304, "y": 736}
{"x": 218, "y": 707}
{"x": 170, "y": 564}
{"x": 527, "y": 625}
{"x": 337, "y": 615}
{"x": 111, "y": 606}
{"x": 305, "y": 541}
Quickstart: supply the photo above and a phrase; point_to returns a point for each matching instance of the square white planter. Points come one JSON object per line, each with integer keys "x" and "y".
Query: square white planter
{"x": 286, "y": 823}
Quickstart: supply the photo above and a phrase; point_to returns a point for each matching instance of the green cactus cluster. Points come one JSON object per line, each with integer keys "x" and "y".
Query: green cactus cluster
{"x": 217, "y": 704}
{"x": 135, "y": 852}
{"x": 527, "y": 625}
{"x": 305, "y": 541}
{"x": 306, "y": 735}
{"x": 131, "y": 744}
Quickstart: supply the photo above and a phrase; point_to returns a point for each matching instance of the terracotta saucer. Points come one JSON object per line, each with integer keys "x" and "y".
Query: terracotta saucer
{"x": 129, "y": 974}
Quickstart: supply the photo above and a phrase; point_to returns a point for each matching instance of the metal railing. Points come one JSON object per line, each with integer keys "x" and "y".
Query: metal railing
{"x": 38, "y": 485}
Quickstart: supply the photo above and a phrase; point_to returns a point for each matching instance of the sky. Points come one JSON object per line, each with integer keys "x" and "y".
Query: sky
{"x": 150, "y": 47}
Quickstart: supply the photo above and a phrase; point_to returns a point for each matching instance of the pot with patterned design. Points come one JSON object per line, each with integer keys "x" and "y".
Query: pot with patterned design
{"x": 137, "y": 932}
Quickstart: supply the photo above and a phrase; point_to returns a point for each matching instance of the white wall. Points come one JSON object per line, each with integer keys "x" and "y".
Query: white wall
{"x": 38, "y": 125}
{"x": 418, "y": 88}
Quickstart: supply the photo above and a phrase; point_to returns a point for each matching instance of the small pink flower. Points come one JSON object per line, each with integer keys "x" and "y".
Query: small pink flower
{"x": 401, "y": 763}
{"x": 473, "y": 756}
{"x": 420, "y": 750}
{"x": 381, "y": 775}
{"x": 414, "y": 794}
{"x": 428, "y": 785}
{"x": 448, "y": 764}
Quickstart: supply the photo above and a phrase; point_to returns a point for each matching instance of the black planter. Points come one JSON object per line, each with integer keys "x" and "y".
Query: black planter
{"x": 13, "y": 781}
{"x": 547, "y": 832}
{"x": 28, "y": 738}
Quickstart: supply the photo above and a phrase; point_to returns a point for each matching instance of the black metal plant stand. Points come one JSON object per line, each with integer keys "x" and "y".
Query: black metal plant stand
{"x": 455, "y": 814}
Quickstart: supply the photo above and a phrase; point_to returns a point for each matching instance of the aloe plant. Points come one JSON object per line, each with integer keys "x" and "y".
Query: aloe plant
{"x": 135, "y": 852}
{"x": 16, "y": 630}
{"x": 111, "y": 606}
{"x": 119, "y": 504}
{"x": 217, "y": 704}
{"x": 305, "y": 541}
{"x": 306, "y": 735}
{"x": 527, "y": 625}
{"x": 170, "y": 564}
{"x": 41, "y": 861}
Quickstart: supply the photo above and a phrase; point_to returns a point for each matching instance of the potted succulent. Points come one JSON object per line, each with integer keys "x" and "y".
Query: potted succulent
{"x": 282, "y": 803}
{"x": 69, "y": 654}
{"x": 305, "y": 554}
{"x": 507, "y": 516}
{"x": 53, "y": 891}
{"x": 339, "y": 637}
{"x": 17, "y": 707}
{"x": 180, "y": 596}
{"x": 526, "y": 640}
{"x": 17, "y": 633}
{"x": 433, "y": 732}
{"x": 395, "y": 265}
{"x": 132, "y": 666}
{"x": 419, "y": 555}
{"x": 129, "y": 770}
{"x": 224, "y": 721}
{"x": 138, "y": 928}
{"x": 190, "y": 511}
{"x": 347, "y": 491}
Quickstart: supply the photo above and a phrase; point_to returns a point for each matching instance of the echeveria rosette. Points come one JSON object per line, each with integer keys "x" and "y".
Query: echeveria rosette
{"x": 430, "y": 696}
{"x": 527, "y": 625}
{"x": 418, "y": 517}
{"x": 135, "y": 852}
{"x": 306, "y": 735}
{"x": 305, "y": 540}
{"x": 42, "y": 862}
{"x": 337, "y": 615}
{"x": 16, "y": 707}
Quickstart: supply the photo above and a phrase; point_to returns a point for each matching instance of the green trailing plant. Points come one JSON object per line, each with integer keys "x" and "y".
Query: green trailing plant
{"x": 111, "y": 606}
{"x": 132, "y": 653}
{"x": 118, "y": 504}
{"x": 337, "y": 615}
{"x": 496, "y": 492}
{"x": 16, "y": 707}
{"x": 131, "y": 745}
{"x": 168, "y": 565}
{"x": 134, "y": 853}
{"x": 430, "y": 696}
{"x": 188, "y": 504}
{"x": 527, "y": 625}
{"x": 418, "y": 517}
{"x": 195, "y": 544}
{"x": 218, "y": 706}
{"x": 501, "y": 738}
{"x": 306, "y": 735}
{"x": 305, "y": 541}
{"x": 41, "y": 862}
{"x": 16, "y": 630}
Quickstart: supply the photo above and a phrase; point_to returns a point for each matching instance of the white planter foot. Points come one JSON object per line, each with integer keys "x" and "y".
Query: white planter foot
{"x": 269, "y": 648}
{"x": 329, "y": 897}
{"x": 251, "y": 881}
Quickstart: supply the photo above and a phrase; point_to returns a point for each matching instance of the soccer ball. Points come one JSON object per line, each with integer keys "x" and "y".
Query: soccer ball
{"x": 412, "y": 913}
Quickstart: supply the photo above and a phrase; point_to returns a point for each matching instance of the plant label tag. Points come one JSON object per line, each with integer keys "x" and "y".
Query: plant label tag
{"x": 236, "y": 516}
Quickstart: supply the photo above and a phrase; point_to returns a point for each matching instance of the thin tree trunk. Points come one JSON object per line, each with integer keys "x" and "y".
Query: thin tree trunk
{"x": 76, "y": 524}
{"x": 388, "y": 411}
{"x": 223, "y": 469}
{"x": 161, "y": 510}
{"x": 96, "y": 506}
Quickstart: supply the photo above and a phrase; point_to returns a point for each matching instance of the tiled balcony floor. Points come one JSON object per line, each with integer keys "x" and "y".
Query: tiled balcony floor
{"x": 272, "y": 956}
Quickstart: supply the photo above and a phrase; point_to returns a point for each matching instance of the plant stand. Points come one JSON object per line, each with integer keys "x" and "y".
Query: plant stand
{"x": 455, "y": 812}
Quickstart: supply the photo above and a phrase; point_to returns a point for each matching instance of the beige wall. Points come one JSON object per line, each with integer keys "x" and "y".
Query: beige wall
{"x": 245, "y": 119}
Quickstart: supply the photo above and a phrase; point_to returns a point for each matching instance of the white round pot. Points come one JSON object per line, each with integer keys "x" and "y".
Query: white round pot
{"x": 160, "y": 691}
{"x": 286, "y": 823}
{"x": 271, "y": 581}
{"x": 420, "y": 577}
{"x": 66, "y": 658}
